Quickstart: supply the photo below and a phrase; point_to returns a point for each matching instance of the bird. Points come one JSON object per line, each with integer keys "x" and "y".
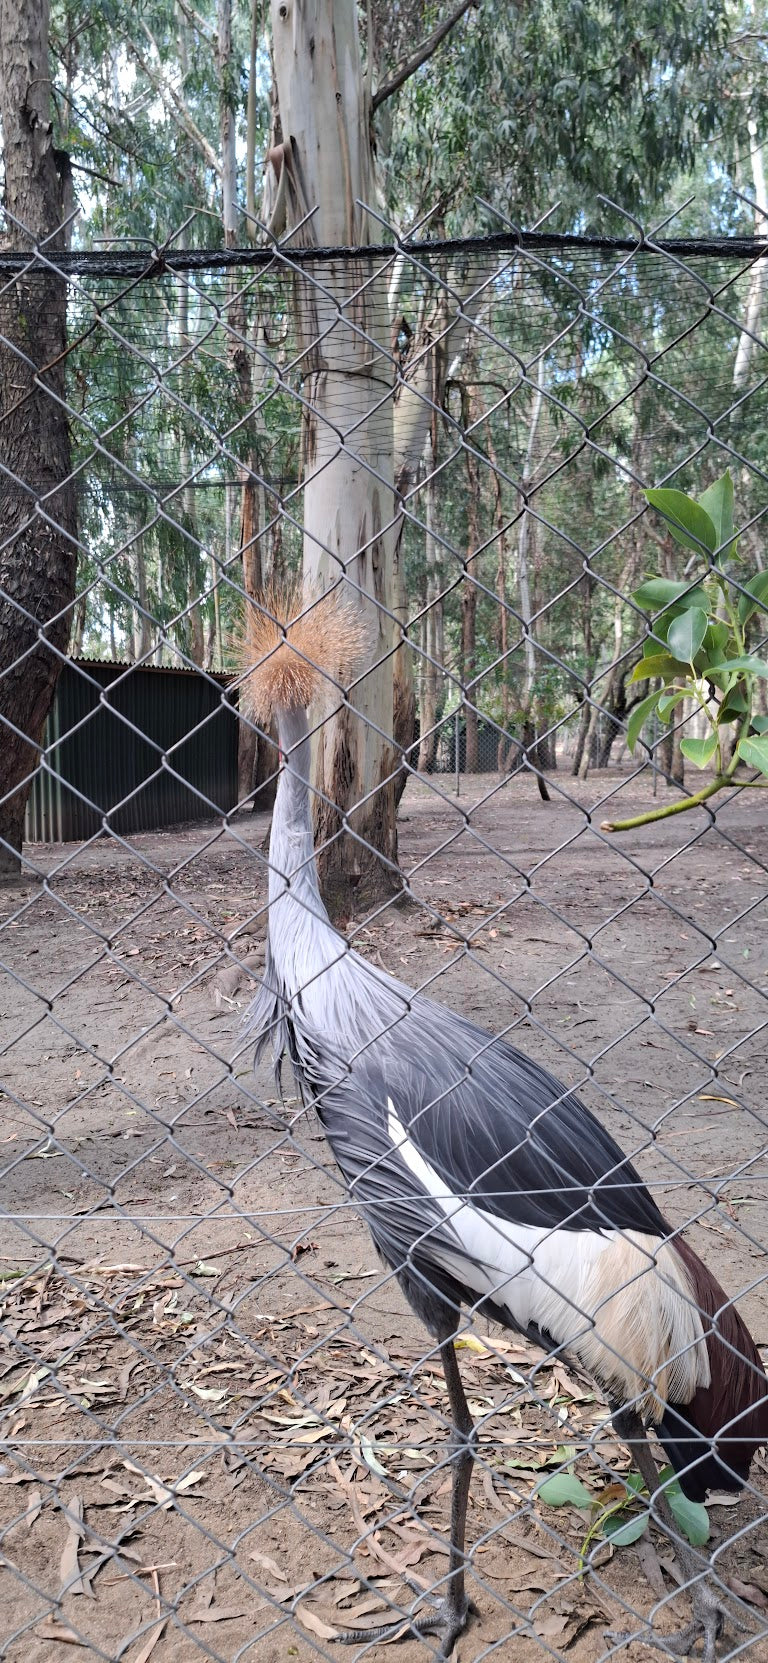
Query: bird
{"x": 486, "y": 1184}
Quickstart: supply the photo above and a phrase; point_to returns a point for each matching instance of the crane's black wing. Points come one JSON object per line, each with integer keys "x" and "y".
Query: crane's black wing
{"x": 497, "y": 1128}
{"x": 508, "y": 1135}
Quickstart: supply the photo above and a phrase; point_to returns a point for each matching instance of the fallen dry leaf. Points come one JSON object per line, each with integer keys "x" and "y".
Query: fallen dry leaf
{"x": 27, "y": 1519}
{"x": 747, "y": 1591}
{"x": 565, "y": 1620}
{"x": 65, "y": 1636}
{"x": 164, "y": 1493}
{"x": 150, "y": 1643}
{"x": 267, "y": 1564}
{"x": 72, "y": 1579}
{"x": 159, "y": 1629}
{"x": 315, "y": 1625}
{"x": 364, "y": 1607}
{"x": 650, "y": 1566}
{"x": 215, "y": 1614}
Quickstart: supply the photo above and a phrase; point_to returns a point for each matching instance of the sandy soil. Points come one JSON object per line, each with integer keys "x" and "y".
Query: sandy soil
{"x": 225, "y": 1433}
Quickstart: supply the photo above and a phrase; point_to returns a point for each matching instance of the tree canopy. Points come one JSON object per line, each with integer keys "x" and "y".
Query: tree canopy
{"x": 566, "y": 380}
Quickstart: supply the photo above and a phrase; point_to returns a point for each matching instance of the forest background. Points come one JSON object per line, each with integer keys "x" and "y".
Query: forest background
{"x": 492, "y": 504}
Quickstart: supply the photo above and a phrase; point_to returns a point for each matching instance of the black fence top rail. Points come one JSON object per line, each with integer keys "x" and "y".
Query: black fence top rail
{"x": 144, "y": 263}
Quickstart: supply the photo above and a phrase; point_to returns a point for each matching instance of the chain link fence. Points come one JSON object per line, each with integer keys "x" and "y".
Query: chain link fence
{"x": 225, "y": 1433}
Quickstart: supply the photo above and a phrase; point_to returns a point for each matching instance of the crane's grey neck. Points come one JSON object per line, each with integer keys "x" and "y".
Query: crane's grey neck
{"x": 292, "y": 869}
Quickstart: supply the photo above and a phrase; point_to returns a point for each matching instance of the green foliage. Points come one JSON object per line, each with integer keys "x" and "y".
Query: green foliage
{"x": 703, "y": 626}
{"x": 615, "y": 1516}
{"x": 564, "y": 1489}
{"x": 547, "y": 103}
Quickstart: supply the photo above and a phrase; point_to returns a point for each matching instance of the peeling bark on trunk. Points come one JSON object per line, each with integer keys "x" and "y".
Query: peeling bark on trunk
{"x": 38, "y": 553}
{"x": 325, "y": 164}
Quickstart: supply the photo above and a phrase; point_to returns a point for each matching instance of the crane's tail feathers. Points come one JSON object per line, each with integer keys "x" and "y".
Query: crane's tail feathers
{"x": 711, "y": 1438}
{"x": 647, "y": 1342}
{"x": 265, "y": 1020}
{"x": 665, "y": 1337}
{"x": 290, "y": 645}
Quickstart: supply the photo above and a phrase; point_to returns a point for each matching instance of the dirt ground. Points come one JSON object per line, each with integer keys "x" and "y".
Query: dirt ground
{"x": 224, "y": 1431}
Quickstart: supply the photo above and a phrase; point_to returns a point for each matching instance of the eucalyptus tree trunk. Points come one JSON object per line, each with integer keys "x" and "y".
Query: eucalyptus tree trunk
{"x": 758, "y": 276}
{"x": 525, "y": 545}
{"x": 612, "y": 700}
{"x": 257, "y": 759}
{"x": 227, "y": 122}
{"x": 414, "y": 400}
{"x": 324, "y": 165}
{"x": 193, "y": 632}
{"x": 469, "y": 597}
{"x": 431, "y": 668}
{"x": 38, "y": 550}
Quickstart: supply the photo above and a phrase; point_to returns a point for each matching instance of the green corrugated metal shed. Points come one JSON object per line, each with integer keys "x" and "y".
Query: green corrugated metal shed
{"x": 147, "y": 747}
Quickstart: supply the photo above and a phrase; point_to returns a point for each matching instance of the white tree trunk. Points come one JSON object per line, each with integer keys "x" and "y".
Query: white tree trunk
{"x": 758, "y": 275}
{"x": 523, "y": 565}
{"x": 342, "y": 320}
{"x": 227, "y": 123}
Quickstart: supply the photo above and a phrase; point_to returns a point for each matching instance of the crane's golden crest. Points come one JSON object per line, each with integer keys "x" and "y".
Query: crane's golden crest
{"x": 292, "y": 645}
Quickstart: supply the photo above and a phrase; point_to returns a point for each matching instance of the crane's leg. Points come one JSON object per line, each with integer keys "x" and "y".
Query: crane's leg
{"x": 456, "y": 1607}
{"x": 709, "y": 1615}
{"x": 449, "y": 1618}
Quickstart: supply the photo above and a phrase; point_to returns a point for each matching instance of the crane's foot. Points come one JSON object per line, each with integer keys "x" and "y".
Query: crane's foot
{"x": 709, "y": 1619}
{"x": 449, "y": 1619}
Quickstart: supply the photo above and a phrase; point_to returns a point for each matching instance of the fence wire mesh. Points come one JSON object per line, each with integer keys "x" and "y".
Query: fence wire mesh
{"x": 225, "y": 1433}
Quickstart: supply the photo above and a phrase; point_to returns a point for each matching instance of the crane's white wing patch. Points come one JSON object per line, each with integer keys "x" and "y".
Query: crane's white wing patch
{"x": 619, "y": 1300}
{"x": 537, "y": 1275}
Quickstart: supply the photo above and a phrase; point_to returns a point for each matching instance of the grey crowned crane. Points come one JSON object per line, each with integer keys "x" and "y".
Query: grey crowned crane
{"x": 484, "y": 1182}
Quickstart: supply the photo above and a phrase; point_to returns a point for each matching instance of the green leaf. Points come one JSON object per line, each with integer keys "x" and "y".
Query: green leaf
{"x": 660, "y": 664}
{"x": 734, "y": 704}
{"x": 717, "y": 500}
{"x": 715, "y": 641}
{"x": 689, "y": 523}
{"x": 754, "y": 751}
{"x": 755, "y": 598}
{"x": 755, "y": 666}
{"x": 686, "y": 633}
{"x": 759, "y": 724}
{"x": 639, "y": 715}
{"x": 700, "y": 751}
{"x": 668, "y": 700}
{"x": 622, "y": 1532}
{"x": 564, "y": 1489}
{"x": 692, "y": 1516}
{"x": 657, "y": 592}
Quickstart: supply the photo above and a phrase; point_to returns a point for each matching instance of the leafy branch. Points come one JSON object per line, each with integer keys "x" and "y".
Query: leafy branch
{"x": 615, "y": 1517}
{"x": 697, "y": 650}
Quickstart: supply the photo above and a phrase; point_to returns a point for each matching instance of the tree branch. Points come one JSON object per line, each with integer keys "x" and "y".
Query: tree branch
{"x": 668, "y": 809}
{"x": 170, "y": 96}
{"x": 409, "y": 65}
{"x": 196, "y": 20}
